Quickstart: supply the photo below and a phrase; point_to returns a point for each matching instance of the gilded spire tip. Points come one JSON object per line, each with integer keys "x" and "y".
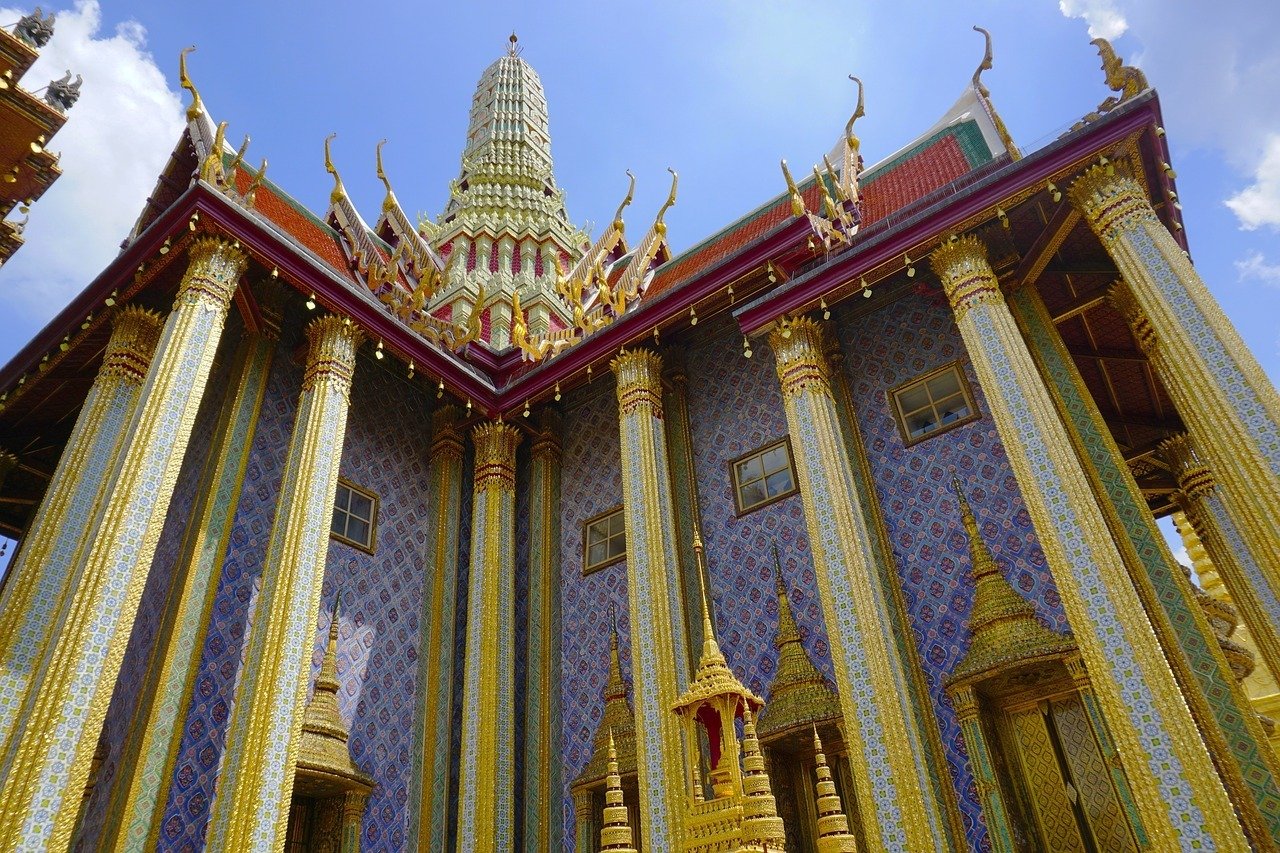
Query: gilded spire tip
{"x": 197, "y": 107}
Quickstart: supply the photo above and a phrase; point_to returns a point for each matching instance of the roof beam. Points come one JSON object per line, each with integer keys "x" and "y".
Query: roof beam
{"x": 1078, "y": 306}
{"x": 1063, "y": 221}
{"x": 1106, "y": 354}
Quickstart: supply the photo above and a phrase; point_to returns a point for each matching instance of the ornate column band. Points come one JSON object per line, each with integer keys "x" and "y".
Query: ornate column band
{"x": 1213, "y": 520}
{"x": 48, "y": 758}
{"x": 486, "y": 780}
{"x": 428, "y": 814}
{"x": 1178, "y": 794}
{"x": 41, "y": 572}
{"x": 984, "y": 774}
{"x": 1223, "y": 716}
{"x": 251, "y": 808}
{"x": 1231, "y": 409}
{"x": 658, "y": 650}
{"x": 895, "y": 792}
{"x": 543, "y": 791}
{"x": 146, "y": 767}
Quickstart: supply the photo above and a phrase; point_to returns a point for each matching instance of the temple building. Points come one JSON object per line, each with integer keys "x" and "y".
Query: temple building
{"x": 837, "y": 531}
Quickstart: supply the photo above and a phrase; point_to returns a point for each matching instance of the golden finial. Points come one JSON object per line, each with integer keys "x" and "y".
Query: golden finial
{"x": 1125, "y": 79}
{"x": 985, "y": 65}
{"x": 631, "y": 190}
{"x": 858, "y": 112}
{"x": 251, "y": 193}
{"x": 828, "y": 203}
{"x": 839, "y": 191}
{"x": 339, "y": 192}
{"x": 513, "y": 44}
{"x": 966, "y": 513}
{"x": 833, "y": 826}
{"x": 658, "y": 224}
{"x": 615, "y": 833}
{"x": 197, "y": 106}
{"x": 985, "y": 96}
{"x": 797, "y": 200}
{"x": 211, "y": 171}
{"x": 237, "y": 160}
{"x": 710, "y": 647}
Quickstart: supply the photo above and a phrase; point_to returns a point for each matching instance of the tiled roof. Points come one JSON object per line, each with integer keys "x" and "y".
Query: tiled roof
{"x": 298, "y": 222}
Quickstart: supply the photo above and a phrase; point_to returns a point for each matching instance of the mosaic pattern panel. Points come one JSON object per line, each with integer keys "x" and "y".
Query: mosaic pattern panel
{"x": 591, "y": 482}
{"x": 133, "y": 669}
{"x": 913, "y": 483}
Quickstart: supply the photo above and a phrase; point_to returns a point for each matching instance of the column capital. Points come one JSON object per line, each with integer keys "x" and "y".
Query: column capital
{"x": 446, "y": 440}
{"x": 214, "y": 266}
{"x": 583, "y": 803}
{"x": 135, "y": 331}
{"x": 967, "y": 278}
{"x": 797, "y": 347}
{"x": 547, "y": 443}
{"x": 1111, "y": 202}
{"x": 675, "y": 364}
{"x": 639, "y": 375}
{"x": 965, "y": 702}
{"x": 495, "y": 444}
{"x": 1195, "y": 480}
{"x": 332, "y": 356}
{"x": 1120, "y": 297}
{"x": 1078, "y": 672}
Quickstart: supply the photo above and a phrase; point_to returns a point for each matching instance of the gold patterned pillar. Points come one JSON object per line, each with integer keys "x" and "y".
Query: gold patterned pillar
{"x": 893, "y": 778}
{"x": 486, "y": 783}
{"x": 684, "y": 486}
{"x": 255, "y": 785}
{"x": 587, "y": 827}
{"x": 965, "y": 703}
{"x": 353, "y": 803}
{"x": 658, "y": 652}
{"x": 49, "y": 754}
{"x": 1175, "y": 786}
{"x": 1231, "y": 409}
{"x": 1204, "y": 505}
{"x": 429, "y": 813}
{"x": 41, "y": 571}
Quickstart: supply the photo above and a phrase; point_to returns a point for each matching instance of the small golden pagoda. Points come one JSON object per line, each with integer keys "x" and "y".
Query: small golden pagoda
{"x": 615, "y": 834}
{"x": 833, "y": 826}
{"x": 740, "y": 813}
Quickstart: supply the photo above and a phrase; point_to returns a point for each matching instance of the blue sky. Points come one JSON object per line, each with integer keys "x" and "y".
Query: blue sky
{"x": 718, "y": 90}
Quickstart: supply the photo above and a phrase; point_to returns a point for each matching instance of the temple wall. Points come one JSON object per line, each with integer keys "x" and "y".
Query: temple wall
{"x": 913, "y": 336}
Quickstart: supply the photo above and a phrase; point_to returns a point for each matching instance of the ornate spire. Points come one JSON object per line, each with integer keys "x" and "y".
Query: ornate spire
{"x": 615, "y": 834}
{"x": 617, "y": 722}
{"x": 1003, "y": 624}
{"x": 799, "y": 695}
{"x": 713, "y": 676}
{"x": 761, "y": 827}
{"x": 833, "y": 826}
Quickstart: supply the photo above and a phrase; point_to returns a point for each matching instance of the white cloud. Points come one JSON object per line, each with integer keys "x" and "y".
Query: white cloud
{"x": 1102, "y": 16}
{"x": 114, "y": 144}
{"x": 1259, "y": 203}
{"x": 1255, "y": 267}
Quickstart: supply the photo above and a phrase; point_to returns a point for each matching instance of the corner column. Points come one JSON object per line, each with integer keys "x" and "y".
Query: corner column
{"x": 1231, "y": 409}
{"x": 658, "y": 652}
{"x": 486, "y": 800}
{"x": 684, "y": 490}
{"x": 41, "y": 572}
{"x": 429, "y": 812}
{"x": 1176, "y": 788}
{"x": 255, "y": 786}
{"x": 544, "y": 808}
{"x": 894, "y": 779}
{"x": 48, "y": 757}
{"x": 965, "y": 702}
{"x": 588, "y": 828}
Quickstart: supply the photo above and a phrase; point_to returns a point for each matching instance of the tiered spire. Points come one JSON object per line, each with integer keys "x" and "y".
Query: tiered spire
{"x": 761, "y": 827}
{"x": 615, "y": 834}
{"x": 617, "y": 723}
{"x": 833, "y": 826}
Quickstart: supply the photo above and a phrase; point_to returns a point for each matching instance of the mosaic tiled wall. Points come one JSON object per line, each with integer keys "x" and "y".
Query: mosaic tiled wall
{"x": 133, "y": 669}
{"x": 460, "y": 634}
{"x": 385, "y": 451}
{"x": 883, "y": 350}
{"x": 591, "y": 483}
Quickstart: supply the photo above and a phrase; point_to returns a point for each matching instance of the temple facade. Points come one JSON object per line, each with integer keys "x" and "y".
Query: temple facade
{"x": 836, "y": 531}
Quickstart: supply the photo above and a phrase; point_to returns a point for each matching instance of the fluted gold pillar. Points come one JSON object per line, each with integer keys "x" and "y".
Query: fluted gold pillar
{"x": 587, "y": 833}
{"x": 255, "y": 786}
{"x": 687, "y": 514}
{"x": 487, "y": 781}
{"x": 1231, "y": 409}
{"x": 353, "y": 803}
{"x": 1176, "y": 789}
{"x": 891, "y": 773}
{"x": 965, "y": 702}
{"x": 429, "y": 812}
{"x": 41, "y": 571}
{"x": 48, "y": 758}
{"x": 658, "y": 651}
{"x": 146, "y": 764}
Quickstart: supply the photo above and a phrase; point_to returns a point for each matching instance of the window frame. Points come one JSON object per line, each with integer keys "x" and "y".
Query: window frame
{"x": 900, "y": 417}
{"x": 589, "y": 568}
{"x": 785, "y": 442}
{"x": 372, "y": 544}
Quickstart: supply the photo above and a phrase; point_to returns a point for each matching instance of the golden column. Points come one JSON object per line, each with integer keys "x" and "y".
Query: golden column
{"x": 47, "y": 759}
{"x": 41, "y": 572}
{"x": 429, "y": 813}
{"x": 658, "y": 652}
{"x": 1213, "y": 522}
{"x": 1176, "y": 789}
{"x": 486, "y": 780}
{"x": 255, "y": 786}
{"x": 1231, "y": 409}
{"x": 895, "y": 794}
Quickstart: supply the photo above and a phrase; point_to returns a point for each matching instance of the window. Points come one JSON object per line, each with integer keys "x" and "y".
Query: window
{"x": 604, "y": 540}
{"x": 934, "y": 403}
{"x": 355, "y": 516}
{"x": 763, "y": 476}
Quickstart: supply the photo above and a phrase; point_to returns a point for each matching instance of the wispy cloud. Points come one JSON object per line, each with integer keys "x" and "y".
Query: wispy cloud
{"x": 1254, "y": 267}
{"x": 1259, "y": 203}
{"x": 1105, "y": 20}
{"x": 116, "y": 140}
